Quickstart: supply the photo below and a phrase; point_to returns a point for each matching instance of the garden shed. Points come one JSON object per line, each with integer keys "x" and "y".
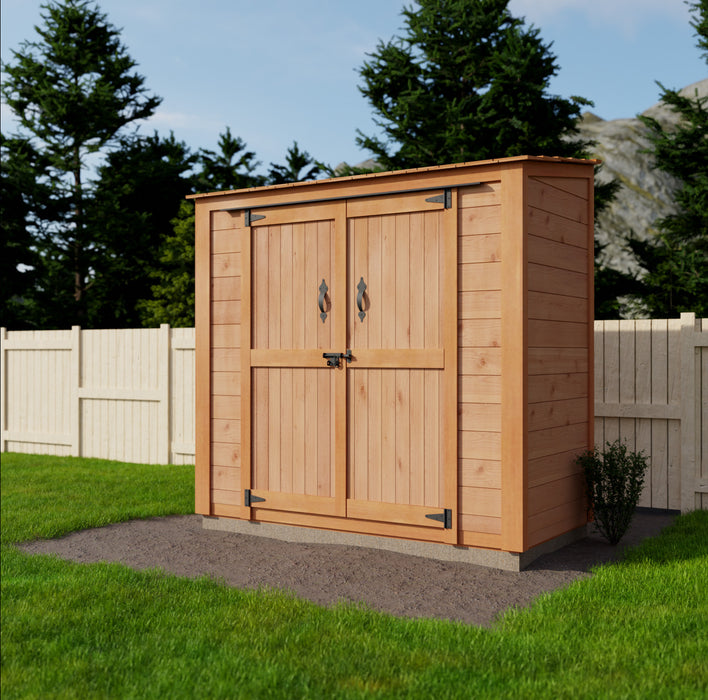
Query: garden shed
{"x": 404, "y": 356}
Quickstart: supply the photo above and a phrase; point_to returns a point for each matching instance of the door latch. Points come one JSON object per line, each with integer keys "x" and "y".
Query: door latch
{"x": 333, "y": 358}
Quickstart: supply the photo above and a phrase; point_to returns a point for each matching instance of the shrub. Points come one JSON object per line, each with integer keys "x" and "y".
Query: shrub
{"x": 613, "y": 479}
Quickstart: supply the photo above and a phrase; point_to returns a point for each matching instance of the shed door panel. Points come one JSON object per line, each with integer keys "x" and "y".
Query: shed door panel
{"x": 293, "y": 394}
{"x": 396, "y": 403}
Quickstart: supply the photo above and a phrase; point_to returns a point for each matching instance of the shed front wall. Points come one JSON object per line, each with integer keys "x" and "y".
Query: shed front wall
{"x": 515, "y": 404}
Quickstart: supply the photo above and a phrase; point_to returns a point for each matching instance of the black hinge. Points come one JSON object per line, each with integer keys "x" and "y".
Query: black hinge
{"x": 249, "y": 498}
{"x": 445, "y": 518}
{"x": 445, "y": 198}
{"x": 249, "y": 218}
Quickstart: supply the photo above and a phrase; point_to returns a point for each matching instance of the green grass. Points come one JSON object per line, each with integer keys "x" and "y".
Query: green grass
{"x": 635, "y": 629}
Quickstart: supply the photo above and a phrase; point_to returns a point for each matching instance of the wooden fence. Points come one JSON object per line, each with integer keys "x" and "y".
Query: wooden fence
{"x": 117, "y": 394}
{"x": 129, "y": 395}
{"x": 651, "y": 390}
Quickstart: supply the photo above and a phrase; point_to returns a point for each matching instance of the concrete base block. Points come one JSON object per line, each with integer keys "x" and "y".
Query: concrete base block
{"x": 508, "y": 561}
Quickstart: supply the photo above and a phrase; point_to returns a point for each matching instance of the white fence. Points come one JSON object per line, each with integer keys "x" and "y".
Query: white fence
{"x": 129, "y": 395}
{"x": 651, "y": 390}
{"x": 116, "y": 394}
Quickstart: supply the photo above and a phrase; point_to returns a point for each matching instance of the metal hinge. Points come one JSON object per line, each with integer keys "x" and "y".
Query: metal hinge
{"x": 250, "y": 499}
{"x": 445, "y": 518}
{"x": 249, "y": 218}
{"x": 445, "y": 198}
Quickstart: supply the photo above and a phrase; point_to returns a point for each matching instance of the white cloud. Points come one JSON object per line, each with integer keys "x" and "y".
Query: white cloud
{"x": 626, "y": 16}
{"x": 165, "y": 120}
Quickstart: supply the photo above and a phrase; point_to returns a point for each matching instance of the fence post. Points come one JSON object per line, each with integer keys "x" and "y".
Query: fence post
{"x": 3, "y": 391}
{"x": 164, "y": 422}
{"x": 76, "y": 422}
{"x": 689, "y": 423}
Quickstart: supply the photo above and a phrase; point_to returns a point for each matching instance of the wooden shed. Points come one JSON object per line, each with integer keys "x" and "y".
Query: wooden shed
{"x": 405, "y": 355}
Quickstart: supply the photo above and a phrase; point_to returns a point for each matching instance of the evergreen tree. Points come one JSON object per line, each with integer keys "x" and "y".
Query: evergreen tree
{"x": 172, "y": 290}
{"x": 73, "y": 92}
{"x": 295, "y": 162}
{"x": 138, "y": 194}
{"x": 676, "y": 265}
{"x": 18, "y": 197}
{"x": 467, "y": 81}
{"x": 171, "y": 299}
{"x": 231, "y": 168}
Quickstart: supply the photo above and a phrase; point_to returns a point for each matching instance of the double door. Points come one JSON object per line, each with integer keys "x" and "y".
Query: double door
{"x": 349, "y": 361}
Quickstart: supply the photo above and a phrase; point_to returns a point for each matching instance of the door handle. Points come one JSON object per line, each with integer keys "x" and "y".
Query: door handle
{"x": 321, "y": 300}
{"x": 360, "y": 299}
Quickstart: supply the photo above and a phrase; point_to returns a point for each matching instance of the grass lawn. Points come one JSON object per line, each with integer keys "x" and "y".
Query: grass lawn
{"x": 635, "y": 629}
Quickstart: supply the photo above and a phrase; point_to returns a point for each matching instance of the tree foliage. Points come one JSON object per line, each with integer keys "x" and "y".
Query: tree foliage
{"x": 676, "y": 264}
{"x": 299, "y": 166}
{"x": 466, "y": 81}
{"x": 233, "y": 167}
{"x": 74, "y": 90}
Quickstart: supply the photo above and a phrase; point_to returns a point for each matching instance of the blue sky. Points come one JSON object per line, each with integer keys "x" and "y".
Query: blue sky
{"x": 282, "y": 70}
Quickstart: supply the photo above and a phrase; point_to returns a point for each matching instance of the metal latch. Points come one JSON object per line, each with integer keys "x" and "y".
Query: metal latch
{"x": 445, "y": 518}
{"x": 333, "y": 358}
{"x": 250, "y": 499}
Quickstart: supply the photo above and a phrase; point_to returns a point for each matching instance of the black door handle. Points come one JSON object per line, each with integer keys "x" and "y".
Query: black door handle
{"x": 321, "y": 300}
{"x": 360, "y": 298}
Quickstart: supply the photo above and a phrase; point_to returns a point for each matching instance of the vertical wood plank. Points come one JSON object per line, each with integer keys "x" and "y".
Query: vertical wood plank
{"x": 673, "y": 480}
{"x": 403, "y": 466}
{"x": 4, "y": 404}
{"x": 338, "y": 264}
{"x": 642, "y": 384}
{"x": 403, "y": 282}
{"x": 514, "y": 359}
{"x": 298, "y": 421}
{"x": 659, "y": 395}
{"x": 691, "y": 428}
{"x": 274, "y": 299}
{"x": 164, "y": 433}
{"x": 259, "y": 298}
{"x": 299, "y": 286}
{"x": 311, "y": 429}
{"x": 202, "y": 343}
{"x": 374, "y": 454}
{"x": 448, "y": 311}
{"x": 275, "y": 430}
{"x": 286, "y": 430}
{"x": 627, "y": 395}
{"x": 76, "y": 362}
{"x": 246, "y": 246}
{"x": 599, "y": 373}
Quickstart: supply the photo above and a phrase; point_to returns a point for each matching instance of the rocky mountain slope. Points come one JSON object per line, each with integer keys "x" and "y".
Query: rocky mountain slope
{"x": 646, "y": 193}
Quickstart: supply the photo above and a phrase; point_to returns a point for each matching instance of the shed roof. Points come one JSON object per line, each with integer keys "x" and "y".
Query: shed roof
{"x": 389, "y": 173}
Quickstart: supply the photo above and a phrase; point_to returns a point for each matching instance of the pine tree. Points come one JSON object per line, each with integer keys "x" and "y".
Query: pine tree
{"x": 171, "y": 299}
{"x": 296, "y": 161}
{"x": 73, "y": 92}
{"x": 231, "y": 168}
{"x": 467, "y": 81}
{"x": 676, "y": 265}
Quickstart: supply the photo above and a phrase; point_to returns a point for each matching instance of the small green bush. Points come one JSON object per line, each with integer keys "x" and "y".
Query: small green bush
{"x": 614, "y": 478}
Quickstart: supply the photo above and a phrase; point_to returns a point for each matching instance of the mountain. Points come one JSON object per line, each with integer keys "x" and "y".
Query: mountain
{"x": 646, "y": 193}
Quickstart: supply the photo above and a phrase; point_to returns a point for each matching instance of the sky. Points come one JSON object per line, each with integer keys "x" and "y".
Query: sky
{"x": 278, "y": 71}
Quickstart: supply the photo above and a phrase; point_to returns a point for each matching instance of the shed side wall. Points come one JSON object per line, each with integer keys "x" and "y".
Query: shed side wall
{"x": 558, "y": 356}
